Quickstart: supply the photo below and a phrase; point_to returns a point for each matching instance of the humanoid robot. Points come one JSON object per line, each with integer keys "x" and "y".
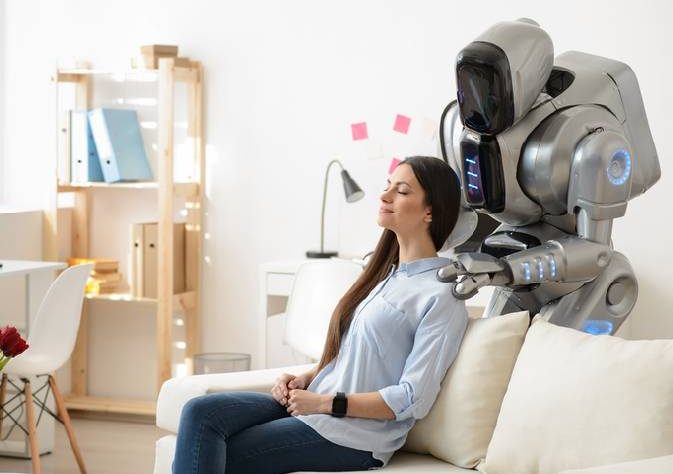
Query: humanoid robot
{"x": 553, "y": 149}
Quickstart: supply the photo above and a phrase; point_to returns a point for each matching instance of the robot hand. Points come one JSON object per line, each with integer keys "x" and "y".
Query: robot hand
{"x": 571, "y": 259}
{"x": 475, "y": 270}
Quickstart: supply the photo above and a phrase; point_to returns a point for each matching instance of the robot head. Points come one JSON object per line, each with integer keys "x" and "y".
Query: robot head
{"x": 500, "y": 75}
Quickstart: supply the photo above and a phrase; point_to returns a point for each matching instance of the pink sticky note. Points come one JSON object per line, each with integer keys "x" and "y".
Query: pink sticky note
{"x": 393, "y": 165}
{"x": 402, "y": 123}
{"x": 359, "y": 131}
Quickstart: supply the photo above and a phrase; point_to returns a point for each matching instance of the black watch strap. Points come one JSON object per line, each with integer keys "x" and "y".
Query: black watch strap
{"x": 339, "y": 405}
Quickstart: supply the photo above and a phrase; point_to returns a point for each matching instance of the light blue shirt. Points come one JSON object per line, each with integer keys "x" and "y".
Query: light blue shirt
{"x": 402, "y": 339}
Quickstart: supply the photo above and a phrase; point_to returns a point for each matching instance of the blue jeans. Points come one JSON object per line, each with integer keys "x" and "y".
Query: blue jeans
{"x": 250, "y": 432}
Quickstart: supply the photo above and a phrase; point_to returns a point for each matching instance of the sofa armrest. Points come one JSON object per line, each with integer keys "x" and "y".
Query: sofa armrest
{"x": 660, "y": 465}
{"x": 177, "y": 391}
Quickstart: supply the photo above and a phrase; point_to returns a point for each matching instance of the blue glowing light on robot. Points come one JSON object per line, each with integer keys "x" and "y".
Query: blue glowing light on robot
{"x": 540, "y": 269}
{"x": 552, "y": 266}
{"x": 597, "y": 327}
{"x": 619, "y": 168}
{"x": 473, "y": 179}
{"x": 526, "y": 271}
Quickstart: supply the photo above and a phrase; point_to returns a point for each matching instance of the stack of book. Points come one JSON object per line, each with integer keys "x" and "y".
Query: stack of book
{"x": 104, "y": 278}
{"x": 153, "y": 52}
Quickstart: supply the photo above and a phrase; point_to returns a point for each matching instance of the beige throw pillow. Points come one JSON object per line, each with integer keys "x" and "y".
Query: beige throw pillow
{"x": 460, "y": 424}
{"x": 577, "y": 400}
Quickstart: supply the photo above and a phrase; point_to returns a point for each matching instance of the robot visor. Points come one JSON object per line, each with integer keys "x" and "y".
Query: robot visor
{"x": 485, "y": 96}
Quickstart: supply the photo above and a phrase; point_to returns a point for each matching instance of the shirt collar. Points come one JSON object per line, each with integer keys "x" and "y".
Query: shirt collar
{"x": 421, "y": 265}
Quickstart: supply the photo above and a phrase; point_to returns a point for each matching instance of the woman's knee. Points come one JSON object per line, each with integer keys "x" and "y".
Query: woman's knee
{"x": 197, "y": 409}
{"x": 202, "y": 407}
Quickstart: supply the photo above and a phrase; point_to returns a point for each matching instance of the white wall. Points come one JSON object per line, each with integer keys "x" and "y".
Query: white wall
{"x": 284, "y": 81}
{"x": 2, "y": 100}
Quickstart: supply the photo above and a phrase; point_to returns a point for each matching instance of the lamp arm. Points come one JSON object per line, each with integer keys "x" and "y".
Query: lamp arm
{"x": 324, "y": 199}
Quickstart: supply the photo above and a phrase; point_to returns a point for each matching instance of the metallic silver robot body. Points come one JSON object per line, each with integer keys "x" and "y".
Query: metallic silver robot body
{"x": 574, "y": 150}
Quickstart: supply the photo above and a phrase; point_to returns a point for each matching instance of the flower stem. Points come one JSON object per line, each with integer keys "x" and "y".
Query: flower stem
{"x": 3, "y": 361}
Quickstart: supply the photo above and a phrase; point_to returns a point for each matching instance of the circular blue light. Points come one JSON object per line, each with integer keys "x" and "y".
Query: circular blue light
{"x": 597, "y": 327}
{"x": 619, "y": 168}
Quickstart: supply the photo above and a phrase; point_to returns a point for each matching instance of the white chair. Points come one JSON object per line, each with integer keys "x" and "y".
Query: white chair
{"x": 51, "y": 341}
{"x": 318, "y": 287}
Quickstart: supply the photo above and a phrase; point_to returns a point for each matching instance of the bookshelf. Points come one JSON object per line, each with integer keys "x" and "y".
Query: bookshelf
{"x": 165, "y": 189}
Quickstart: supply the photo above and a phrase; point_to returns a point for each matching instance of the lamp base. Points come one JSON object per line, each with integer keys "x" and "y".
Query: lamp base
{"x": 319, "y": 254}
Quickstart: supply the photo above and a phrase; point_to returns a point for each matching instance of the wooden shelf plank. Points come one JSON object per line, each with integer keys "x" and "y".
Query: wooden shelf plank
{"x": 180, "y": 299}
{"x": 184, "y": 189}
{"x": 111, "y": 405}
{"x": 183, "y": 74}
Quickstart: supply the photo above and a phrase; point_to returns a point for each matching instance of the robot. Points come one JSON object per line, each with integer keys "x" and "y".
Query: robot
{"x": 553, "y": 149}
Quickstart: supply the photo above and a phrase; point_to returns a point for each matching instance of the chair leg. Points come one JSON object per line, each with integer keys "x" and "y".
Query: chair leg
{"x": 63, "y": 413}
{"x": 32, "y": 433}
{"x": 3, "y": 388}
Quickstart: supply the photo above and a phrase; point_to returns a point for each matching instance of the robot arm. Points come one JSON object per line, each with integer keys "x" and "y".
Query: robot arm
{"x": 572, "y": 259}
{"x": 598, "y": 192}
{"x": 600, "y": 182}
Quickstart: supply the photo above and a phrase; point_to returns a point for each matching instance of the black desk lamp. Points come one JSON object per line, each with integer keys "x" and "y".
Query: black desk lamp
{"x": 353, "y": 193}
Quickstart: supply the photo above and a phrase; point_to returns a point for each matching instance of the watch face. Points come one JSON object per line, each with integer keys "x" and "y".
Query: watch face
{"x": 339, "y": 405}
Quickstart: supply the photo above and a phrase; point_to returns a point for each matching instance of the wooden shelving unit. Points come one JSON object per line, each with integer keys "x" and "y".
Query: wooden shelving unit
{"x": 166, "y": 77}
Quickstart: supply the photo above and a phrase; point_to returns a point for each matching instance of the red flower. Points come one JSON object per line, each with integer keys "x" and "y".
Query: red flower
{"x": 11, "y": 342}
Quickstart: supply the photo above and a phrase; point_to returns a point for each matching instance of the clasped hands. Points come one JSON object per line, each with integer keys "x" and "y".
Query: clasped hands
{"x": 289, "y": 391}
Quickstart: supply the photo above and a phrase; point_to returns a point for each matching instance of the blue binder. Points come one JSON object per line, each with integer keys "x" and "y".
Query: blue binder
{"x": 84, "y": 162}
{"x": 120, "y": 145}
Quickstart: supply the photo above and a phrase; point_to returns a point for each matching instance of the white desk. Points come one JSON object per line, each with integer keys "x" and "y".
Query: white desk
{"x": 38, "y": 277}
{"x": 275, "y": 283}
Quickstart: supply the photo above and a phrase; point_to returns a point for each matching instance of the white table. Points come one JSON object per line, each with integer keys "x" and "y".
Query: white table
{"x": 276, "y": 279}
{"x": 37, "y": 276}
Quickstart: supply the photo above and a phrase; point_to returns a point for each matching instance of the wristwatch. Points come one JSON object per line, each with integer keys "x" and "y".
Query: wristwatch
{"x": 339, "y": 405}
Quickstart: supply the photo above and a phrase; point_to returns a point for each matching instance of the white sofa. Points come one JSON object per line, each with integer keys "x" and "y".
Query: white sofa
{"x": 560, "y": 402}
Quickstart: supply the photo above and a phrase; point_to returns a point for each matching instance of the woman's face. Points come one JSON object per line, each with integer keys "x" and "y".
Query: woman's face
{"x": 403, "y": 208}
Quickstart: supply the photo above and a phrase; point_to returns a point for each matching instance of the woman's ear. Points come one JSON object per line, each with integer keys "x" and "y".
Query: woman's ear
{"x": 428, "y": 214}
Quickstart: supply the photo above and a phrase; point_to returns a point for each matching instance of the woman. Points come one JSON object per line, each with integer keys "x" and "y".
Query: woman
{"x": 391, "y": 339}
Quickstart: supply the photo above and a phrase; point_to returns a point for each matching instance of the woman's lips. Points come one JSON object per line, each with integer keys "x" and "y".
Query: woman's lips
{"x": 385, "y": 211}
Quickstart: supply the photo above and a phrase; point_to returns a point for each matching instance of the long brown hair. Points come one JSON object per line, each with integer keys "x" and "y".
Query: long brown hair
{"x": 442, "y": 194}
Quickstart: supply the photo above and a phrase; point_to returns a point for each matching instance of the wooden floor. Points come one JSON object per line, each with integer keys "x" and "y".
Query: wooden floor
{"x": 108, "y": 447}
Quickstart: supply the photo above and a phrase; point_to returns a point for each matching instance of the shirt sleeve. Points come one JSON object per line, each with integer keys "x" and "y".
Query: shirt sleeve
{"x": 435, "y": 347}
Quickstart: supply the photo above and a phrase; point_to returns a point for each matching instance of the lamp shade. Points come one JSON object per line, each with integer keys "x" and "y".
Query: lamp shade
{"x": 352, "y": 191}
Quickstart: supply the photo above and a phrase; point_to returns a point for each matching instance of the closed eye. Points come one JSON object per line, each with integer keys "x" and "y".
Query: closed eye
{"x": 404, "y": 191}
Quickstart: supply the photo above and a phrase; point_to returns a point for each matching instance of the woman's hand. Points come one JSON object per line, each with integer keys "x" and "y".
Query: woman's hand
{"x": 300, "y": 381}
{"x": 280, "y": 390}
{"x": 303, "y": 402}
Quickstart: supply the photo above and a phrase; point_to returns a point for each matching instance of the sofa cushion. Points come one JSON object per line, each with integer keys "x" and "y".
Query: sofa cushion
{"x": 412, "y": 464}
{"x": 660, "y": 465}
{"x": 164, "y": 453}
{"x": 577, "y": 400}
{"x": 400, "y": 462}
{"x": 460, "y": 424}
